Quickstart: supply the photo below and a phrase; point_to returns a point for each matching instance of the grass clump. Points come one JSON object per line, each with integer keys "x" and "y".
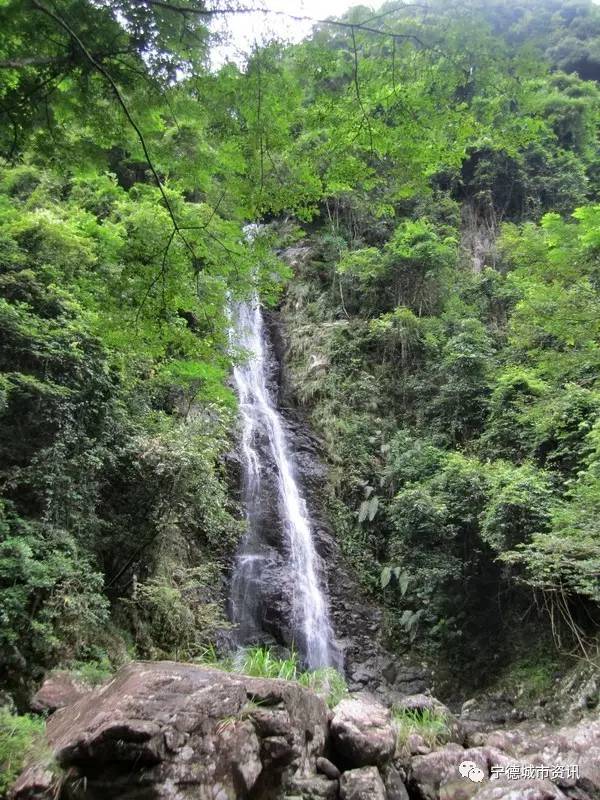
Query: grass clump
{"x": 21, "y": 741}
{"x": 326, "y": 682}
{"x": 429, "y": 724}
{"x": 92, "y": 672}
{"x": 261, "y": 662}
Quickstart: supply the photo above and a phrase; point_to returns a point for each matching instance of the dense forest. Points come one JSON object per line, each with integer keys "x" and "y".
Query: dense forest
{"x": 427, "y": 179}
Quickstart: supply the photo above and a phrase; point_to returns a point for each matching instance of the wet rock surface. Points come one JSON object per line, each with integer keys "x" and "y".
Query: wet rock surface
{"x": 532, "y": 761}
{"x": 362, "y": 784}
{"x": 356, "y": 621}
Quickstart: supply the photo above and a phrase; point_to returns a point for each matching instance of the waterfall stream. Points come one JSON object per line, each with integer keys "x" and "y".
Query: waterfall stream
{"x": 268, "y": 470}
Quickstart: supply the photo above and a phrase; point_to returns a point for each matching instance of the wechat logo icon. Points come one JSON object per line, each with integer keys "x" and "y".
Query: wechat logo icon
{"x": 470, "y": 770}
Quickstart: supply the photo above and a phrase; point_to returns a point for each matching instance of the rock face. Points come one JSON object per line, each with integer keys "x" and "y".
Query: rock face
{"x": 362, "y": 732}
{"x": 356, "y": 621}
{"x": 530, "y": 762}
{"x": 58, "y": 690}
{"x": 178, "y": 731}
{"x": 169, "y": 731}
{"x": 362, "y": 784}
{"x": 520, "y": 790}
{"x": 538, "y": 743}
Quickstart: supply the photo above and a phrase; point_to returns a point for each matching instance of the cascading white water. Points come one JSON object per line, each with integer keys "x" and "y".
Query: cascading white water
{"x": 261, "y": 421}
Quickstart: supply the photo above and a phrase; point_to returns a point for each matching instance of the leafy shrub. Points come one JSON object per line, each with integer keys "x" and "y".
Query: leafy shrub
{"x": 520, "y": 506}
{"x": 52, "y": 603}
{"x": 176, "y": 617}
{"x": 20, "y": 740}
{"x": 92, "y": 672}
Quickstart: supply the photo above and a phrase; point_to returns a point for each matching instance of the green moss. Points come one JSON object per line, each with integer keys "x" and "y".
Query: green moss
{"x": 531, "y": 677}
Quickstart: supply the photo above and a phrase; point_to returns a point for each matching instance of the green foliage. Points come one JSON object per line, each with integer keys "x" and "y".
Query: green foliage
{"x": 20, "y": 741}
{"x": 52, "y": 603}
{"x": 113, "y": 416}
{"x": 444, "y": 327}
{"x": 408, "y": 270}
{"x": 92, "y": 672}
{"x": 176, "y": 617}
{"x": 531, "y": 677}
{"x": 520, "y": 505}
{"x": 260, "y": 662}
{"x": 326, "y": 682}
{"x": 429, "y": 724}
{"x": 563, "y": 557}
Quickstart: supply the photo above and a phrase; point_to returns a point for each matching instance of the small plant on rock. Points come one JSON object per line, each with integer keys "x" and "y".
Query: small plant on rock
{"x": 326, "y": 682}
{"x": 431, "y": 725}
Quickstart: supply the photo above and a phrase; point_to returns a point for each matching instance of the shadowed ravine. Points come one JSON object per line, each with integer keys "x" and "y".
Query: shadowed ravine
{"x": 273, "y": 500}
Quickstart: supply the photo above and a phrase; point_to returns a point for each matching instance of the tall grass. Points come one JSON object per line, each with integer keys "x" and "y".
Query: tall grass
{"x": 429, "y": 724}
{"x": 260, "y": 662}
{"x": 21, "y": 740}
{"x": 326, "y": 682}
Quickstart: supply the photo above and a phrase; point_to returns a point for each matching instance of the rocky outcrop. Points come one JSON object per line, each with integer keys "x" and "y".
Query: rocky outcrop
{"x": 532, "y": 761}
{"x": 520, "y": 790}
{"x": 58, "y": 690}
{"x": 356, "y": 620}
{"x": 171, "y": 731}
{"x": 362, "y": 784}
{"x": 576, "y": 745}
{"x": 176, "y": 731}
{"x": 362, "y": 732}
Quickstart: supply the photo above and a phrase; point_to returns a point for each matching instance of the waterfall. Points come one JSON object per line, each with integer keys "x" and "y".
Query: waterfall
{"x": 268, "y": 470}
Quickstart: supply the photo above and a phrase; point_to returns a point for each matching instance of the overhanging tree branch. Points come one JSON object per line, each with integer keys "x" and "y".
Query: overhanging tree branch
{"x": 356, "y": 26}
{"x": 358, "y": 94}
{"x": 120, "y": 99}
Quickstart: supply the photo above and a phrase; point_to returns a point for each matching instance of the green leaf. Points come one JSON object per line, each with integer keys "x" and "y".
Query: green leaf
{"x": 363, "y": 511}
{"x": 403, "y": 582}
{"x": 373, "y": 505}
{"x": 386, "y": 575}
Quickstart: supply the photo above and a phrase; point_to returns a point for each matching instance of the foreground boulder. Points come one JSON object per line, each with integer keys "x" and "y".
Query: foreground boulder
{"x": 362, "y": 784}
{"x": 362, "y": 732}
{"x": 520, "y": 790}
{"x": 564, "y": 762}
{"x": 58, "y": 690}
{"x": 577, "y": 744}
{"x": 169, "y": 730}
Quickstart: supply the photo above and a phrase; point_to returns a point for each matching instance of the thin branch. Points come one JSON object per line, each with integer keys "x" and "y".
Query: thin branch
{"x": 358, "y": 95}
{"x": 46, "y": 61}
{"x": 117, "y": 92}
{"x": 32, "y": 61}
{"x": 359, "y": 26}
{"x": 160, "y": 275}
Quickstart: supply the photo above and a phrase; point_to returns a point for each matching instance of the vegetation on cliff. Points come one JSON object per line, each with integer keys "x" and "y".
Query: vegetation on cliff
{"x": 441, "y": 163}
